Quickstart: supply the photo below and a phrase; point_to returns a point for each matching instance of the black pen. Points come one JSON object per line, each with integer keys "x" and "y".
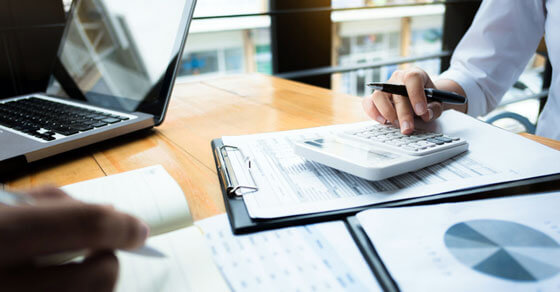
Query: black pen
{"x": 431, "y": 93}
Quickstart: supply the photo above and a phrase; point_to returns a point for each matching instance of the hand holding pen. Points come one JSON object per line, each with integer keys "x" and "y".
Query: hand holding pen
{"x": 47, "y": 221}
{"x": 410, "y": 93}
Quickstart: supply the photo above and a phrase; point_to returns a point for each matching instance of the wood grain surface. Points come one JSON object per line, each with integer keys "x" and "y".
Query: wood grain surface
{"x": 199, "y": 112}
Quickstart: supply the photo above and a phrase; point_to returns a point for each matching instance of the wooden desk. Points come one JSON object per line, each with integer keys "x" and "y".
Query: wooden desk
{"x": 199, "y": 112}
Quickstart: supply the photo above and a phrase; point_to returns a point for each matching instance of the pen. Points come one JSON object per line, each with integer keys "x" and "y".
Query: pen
{"x": 14, "y": 199}
{"x": 431, "y": 93}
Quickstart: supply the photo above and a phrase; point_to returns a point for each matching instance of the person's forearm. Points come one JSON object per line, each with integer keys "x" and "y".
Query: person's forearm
{"x": 450, "y": 85}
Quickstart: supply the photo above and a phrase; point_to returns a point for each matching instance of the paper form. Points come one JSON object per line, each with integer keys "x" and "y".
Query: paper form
{"x": 510, "y": 244}
{"x": 150, "y": 194}
{"x": 319, "y": 257}
{"x": 290, "y": 185}
{"x": 188, "y": 266}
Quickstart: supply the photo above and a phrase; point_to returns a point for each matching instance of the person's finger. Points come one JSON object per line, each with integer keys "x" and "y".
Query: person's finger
{"x": 397, "y": 76}
{"x": 382, "y": 101}
{"x": 405, "y": 114}
{"x": 371, "y": 109}
{"x": 434, "y": 110}
{"x": 43, "y": 230}
{"x": 96, "y": 273}
{"x": 415, "y": 82}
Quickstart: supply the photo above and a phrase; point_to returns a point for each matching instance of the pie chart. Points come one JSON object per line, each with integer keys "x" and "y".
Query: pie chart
{"x": 504, "y": 249}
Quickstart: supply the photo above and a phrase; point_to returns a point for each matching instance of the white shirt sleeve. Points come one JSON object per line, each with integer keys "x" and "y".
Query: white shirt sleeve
{"x": 495, "y": 50}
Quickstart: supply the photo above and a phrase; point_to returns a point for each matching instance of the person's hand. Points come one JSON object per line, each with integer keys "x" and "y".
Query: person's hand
{"x": 400, "y": 110}
{"x": 56, "y": 224}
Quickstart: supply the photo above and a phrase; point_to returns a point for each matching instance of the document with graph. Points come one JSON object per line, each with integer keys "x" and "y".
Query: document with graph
{"x": 510, "y": 244}
{"x": 289, "y": 185}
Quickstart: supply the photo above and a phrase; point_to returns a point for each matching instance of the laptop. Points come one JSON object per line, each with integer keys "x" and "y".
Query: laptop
{"x": 113, "y": 75}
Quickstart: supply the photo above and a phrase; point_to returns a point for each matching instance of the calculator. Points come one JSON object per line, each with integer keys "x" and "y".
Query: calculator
{"x": 378, "y": 151}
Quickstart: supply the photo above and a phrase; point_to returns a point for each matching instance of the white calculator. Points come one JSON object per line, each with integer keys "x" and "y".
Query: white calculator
{"x": 377, "y": 152}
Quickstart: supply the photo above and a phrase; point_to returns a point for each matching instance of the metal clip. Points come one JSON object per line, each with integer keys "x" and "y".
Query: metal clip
{"x": 232, "y": 183}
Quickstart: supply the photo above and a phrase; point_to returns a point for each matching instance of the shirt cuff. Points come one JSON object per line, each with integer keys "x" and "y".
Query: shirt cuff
{"x": 475, "y": 95}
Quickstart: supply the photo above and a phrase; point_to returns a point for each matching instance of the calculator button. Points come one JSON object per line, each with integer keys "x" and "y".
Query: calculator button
{"x": 421, "y": 142}
{"x": 396, "y": 142}
{"x": 408, "y": 148}
{"x": 444, "y": 139}
{"x": 419, "y": 147}
{"x": 429, "y": 144}
{"x": 435, "y": 141}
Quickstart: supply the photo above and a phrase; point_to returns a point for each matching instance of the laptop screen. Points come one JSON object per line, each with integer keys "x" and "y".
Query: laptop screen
{"x": 123, "y": 54}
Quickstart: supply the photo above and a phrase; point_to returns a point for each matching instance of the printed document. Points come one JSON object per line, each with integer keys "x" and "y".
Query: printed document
{"x": 318, "y": 257}
{"x": 509, "y": 244}
{"x": 290, "y": 185}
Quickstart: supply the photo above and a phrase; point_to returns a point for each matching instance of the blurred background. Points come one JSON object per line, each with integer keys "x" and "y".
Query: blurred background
{"x": 345, "y": 44}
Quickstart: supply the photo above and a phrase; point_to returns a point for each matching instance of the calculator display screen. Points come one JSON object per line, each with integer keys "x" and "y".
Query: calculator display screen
{"x": 353, "y": 152}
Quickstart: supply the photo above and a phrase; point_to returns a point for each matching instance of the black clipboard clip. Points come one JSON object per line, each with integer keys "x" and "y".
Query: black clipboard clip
{"x": 227, "y": 173}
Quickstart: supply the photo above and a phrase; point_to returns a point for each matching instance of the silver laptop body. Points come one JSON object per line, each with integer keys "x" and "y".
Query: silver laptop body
{"x": 114, "y": 75}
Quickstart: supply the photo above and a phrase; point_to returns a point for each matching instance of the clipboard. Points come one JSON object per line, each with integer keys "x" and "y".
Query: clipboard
{"x": 242, "y": 223}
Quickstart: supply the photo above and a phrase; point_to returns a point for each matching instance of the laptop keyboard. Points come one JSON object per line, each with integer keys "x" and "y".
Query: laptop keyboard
{"x": 44, "y": 118}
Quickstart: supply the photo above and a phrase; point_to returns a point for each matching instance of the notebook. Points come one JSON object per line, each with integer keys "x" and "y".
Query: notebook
{"x": 152, "y": 195}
